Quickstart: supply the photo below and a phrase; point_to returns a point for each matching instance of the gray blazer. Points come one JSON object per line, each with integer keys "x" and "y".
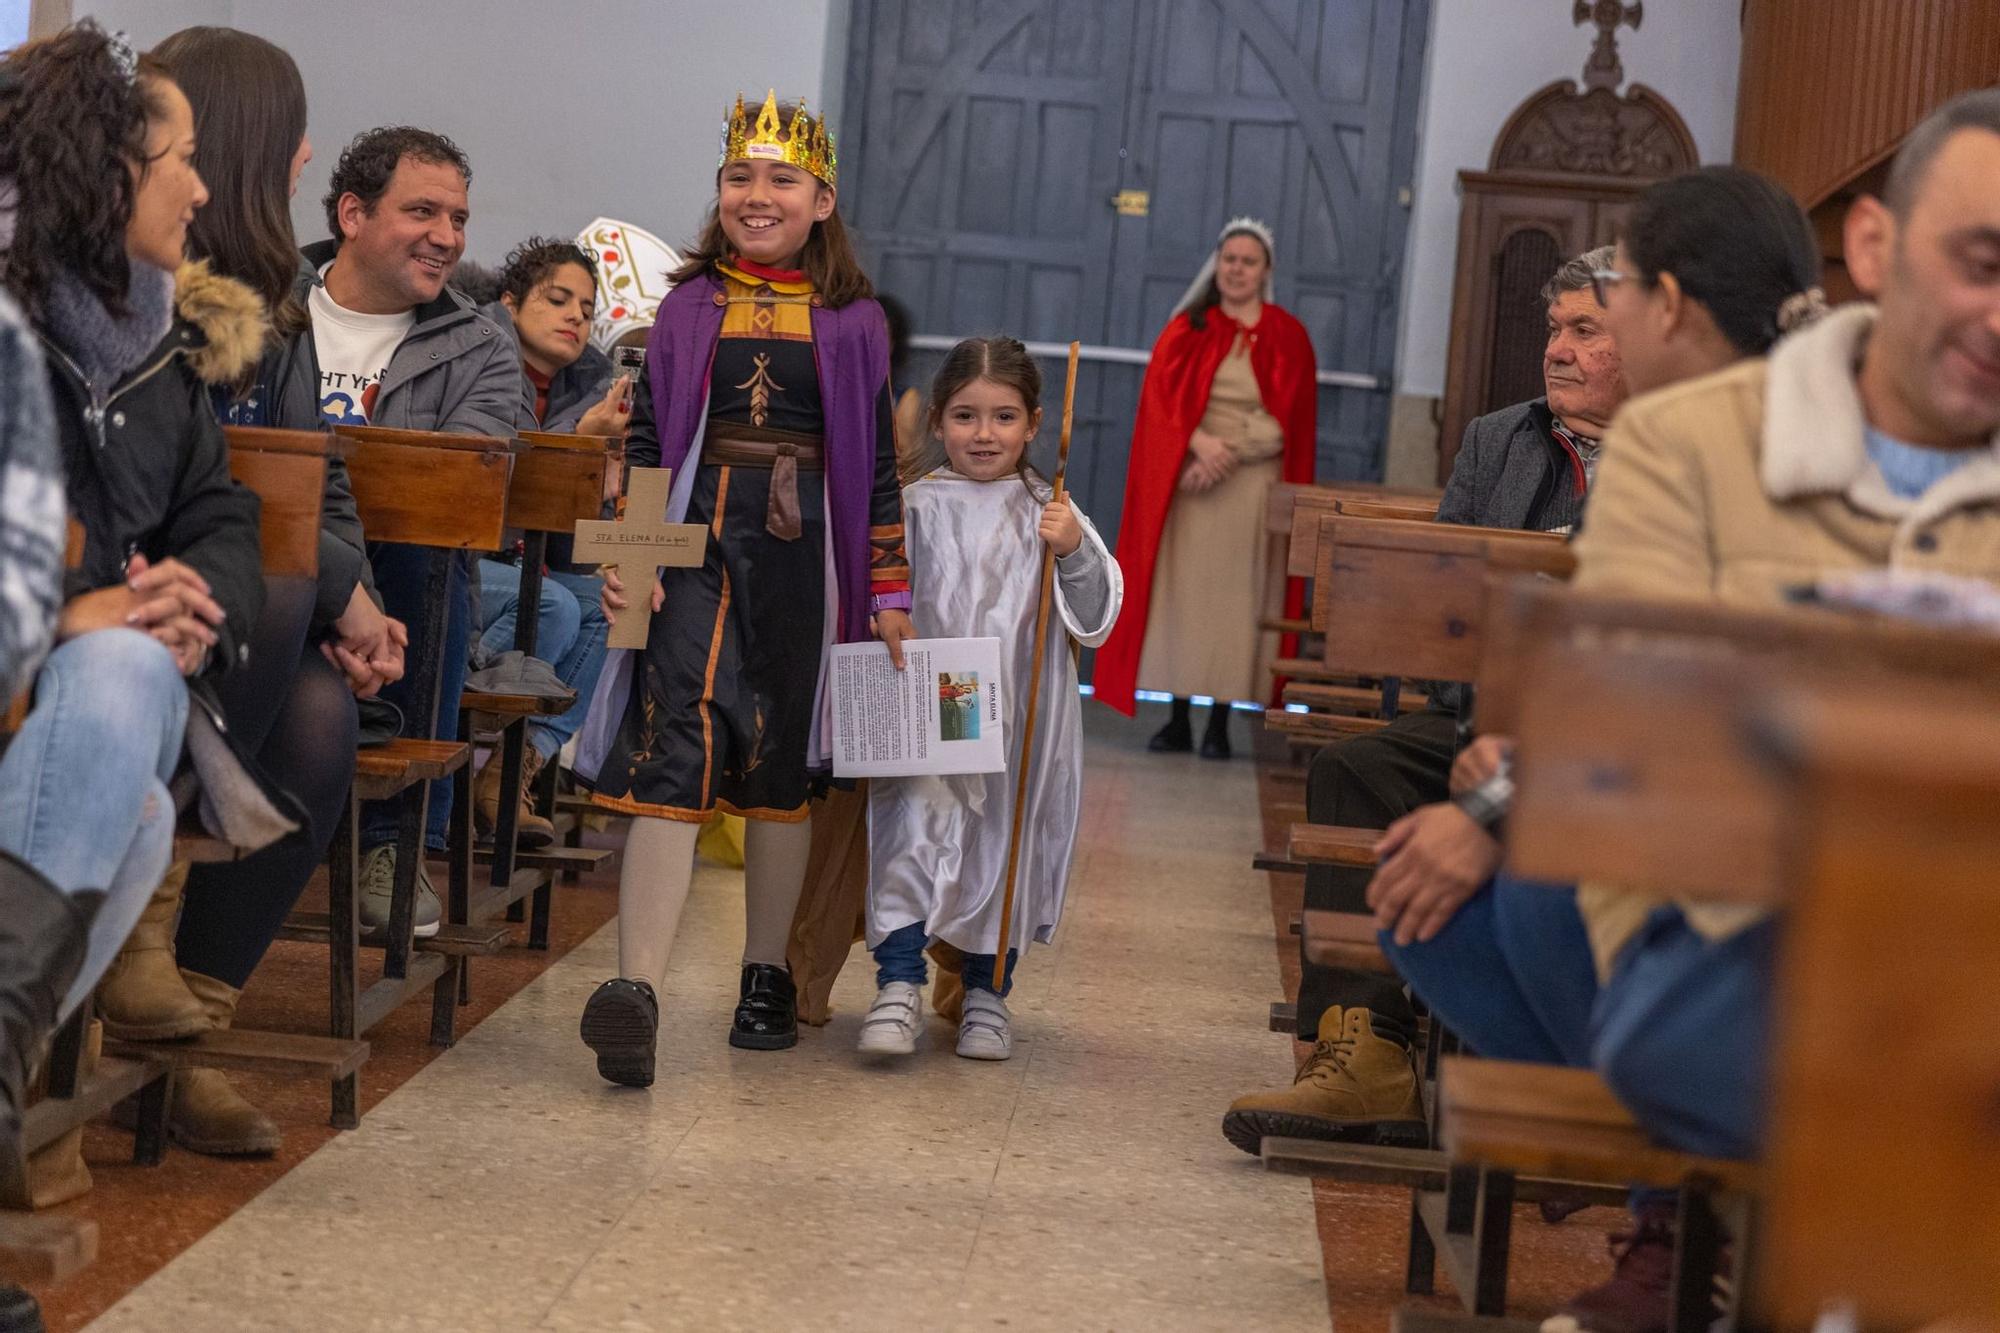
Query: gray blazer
{"x": 1511, "y": 473}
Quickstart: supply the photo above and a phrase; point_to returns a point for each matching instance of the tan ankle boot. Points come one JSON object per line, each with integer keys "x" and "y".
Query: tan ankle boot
{"x": 1358, "y": 1085}
{"x": 208, "y": 1114}
{"x": 534, "y": 831}
{"x": 142, "y": 996}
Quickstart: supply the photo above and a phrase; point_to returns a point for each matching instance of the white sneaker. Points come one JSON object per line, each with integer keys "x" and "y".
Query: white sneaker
{"x": 983, "y": 1031}
{"x": 893, "y": 1021}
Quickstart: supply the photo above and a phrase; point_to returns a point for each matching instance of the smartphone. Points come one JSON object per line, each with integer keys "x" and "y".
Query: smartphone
{"x": 628, "y": 360}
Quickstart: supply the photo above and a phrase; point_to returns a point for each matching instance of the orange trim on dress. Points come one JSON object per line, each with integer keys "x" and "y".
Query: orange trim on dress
{"x": 625, "y": 805}
{"x": 714, "y": 642}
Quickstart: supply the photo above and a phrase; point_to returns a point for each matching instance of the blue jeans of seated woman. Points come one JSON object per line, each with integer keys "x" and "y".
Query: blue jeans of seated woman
{"x": 1678, "y": 1032}
{"x": 569, "y": 636}
{"x": 83, "y": 786}
{"x": 900, "y": 957}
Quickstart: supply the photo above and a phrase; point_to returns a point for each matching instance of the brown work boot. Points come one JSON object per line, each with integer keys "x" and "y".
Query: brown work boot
{"x": 1358, "y": 1085}
{"x": 208, "y": 1114}
{"x": 142, "y": 996}
{"x": 534, "y": 831}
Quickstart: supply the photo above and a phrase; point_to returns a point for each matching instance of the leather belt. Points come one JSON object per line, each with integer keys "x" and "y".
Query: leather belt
{"x": 781, "y": 451}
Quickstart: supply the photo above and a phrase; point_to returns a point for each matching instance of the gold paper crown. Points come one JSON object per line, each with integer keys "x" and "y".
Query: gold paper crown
{"x": 808, "y": 144}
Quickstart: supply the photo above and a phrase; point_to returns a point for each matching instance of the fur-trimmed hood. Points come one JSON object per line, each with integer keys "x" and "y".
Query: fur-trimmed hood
{"x": 228, "y": 315}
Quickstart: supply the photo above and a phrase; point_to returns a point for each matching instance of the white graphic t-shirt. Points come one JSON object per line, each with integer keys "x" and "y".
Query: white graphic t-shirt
{"x": 354, "y": 352}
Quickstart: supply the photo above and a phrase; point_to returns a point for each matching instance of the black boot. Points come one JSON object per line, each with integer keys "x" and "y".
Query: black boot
{"x": 1177, "y": 737}
{"x": 1215, "y": 737}
{"x": 19, "y": 1311}
{"x": 621, "y": 1022}
{"x": 767, "y": 1017}
{"x": 43, "y": 936}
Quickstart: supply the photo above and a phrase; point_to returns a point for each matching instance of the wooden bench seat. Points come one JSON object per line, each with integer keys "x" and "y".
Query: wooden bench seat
{"x": 1544, "y": 1120}
{"x": 260, "y": 1052}
{"x": 1322, "y": 728}
{"x": 1334, "y": 845}
{"x": 1324, "y": 697}
{"x": 382, "y": 771}
{"x": 1344, "y": 940}
{"x": 516, "y": 705}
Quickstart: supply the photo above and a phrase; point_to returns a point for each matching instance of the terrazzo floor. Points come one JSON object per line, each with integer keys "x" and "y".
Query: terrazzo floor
{"x": 1083, "y": 1185}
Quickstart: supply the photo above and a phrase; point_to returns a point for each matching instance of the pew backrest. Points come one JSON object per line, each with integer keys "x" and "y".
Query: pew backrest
{"x": 558, "y": 480}
{"x": 1882, "y": 1180}
{"x": 1396, "y": 598}
{"x": 427, "y": 488}
{"x": 1291, "y": 511}
{"x": 1630, "y": 767}
{"x": 287, "y": 470}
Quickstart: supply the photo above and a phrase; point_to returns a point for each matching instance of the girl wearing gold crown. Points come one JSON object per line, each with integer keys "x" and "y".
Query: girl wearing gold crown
{"x": 767, "y": 393}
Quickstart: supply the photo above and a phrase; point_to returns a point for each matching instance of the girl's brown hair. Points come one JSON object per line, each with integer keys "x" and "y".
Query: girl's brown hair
{"x": 249, "y": 119}
{"x": 72, "y": 126}
{"x": 1000, "y": 360}
{"x": 829, "y": 261}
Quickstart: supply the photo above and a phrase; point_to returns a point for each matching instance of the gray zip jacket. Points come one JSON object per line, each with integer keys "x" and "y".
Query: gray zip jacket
{"x": 456, "y": 370}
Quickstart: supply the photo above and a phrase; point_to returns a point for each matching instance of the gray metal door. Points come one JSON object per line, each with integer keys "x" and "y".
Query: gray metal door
{"x": 987, "y": 147}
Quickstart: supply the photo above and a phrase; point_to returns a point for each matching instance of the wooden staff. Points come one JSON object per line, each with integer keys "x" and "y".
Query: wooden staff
{"x": 1034, "y": 688}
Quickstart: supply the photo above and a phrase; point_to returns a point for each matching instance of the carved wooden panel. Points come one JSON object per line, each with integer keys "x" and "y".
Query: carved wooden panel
{"x": 1830, "y": 87}
{"x": 1596, "y": 133}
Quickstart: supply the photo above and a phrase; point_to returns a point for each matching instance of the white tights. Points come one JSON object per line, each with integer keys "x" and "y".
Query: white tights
{"x": 653, "y": 888}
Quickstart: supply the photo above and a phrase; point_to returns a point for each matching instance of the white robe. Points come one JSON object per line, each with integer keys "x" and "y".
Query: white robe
{"x": 938, "y": 845}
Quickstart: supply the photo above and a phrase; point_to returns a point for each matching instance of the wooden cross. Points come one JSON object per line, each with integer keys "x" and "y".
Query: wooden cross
{"x": 1604, "y": 69}
{"x": 640, "y": 543}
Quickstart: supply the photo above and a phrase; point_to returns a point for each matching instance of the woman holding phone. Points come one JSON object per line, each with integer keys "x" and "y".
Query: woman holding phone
{"x": 548, "y": 290}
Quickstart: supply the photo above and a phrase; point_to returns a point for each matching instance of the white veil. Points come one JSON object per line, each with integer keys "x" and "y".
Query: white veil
{"x": 1243, "y": 226}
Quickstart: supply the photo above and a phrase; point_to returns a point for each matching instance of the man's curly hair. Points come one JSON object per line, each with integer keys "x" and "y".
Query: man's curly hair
{"x": 71, "y": 126}
{"x": 532, "y": 262}
{"x": 367, "y": 165}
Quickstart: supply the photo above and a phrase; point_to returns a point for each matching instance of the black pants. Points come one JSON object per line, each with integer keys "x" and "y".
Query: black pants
{"x": 1369, "y": 781}
{"x": 294, "y": 710}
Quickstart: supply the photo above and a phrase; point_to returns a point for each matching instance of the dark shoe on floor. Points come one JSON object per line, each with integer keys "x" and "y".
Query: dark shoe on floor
{"x": 767, "y": 1017}
{"x": 19, "y": 1311}
{"x": 1358, "y": 1086}
{"x": 1637, "y": 1297}
{"x": 1215, "y": 737}
{"x": 1177, "y": 737}
{"x": 41, "y": 951}
{"x": 621, "y": 1023}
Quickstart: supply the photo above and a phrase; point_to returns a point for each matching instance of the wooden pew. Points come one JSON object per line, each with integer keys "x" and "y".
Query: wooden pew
{"x": 1628, "y": 721}
{"x": 1884, "y": 1192}
{"x": 448, "y": 493}
{"x": 1289, "y": 500}
{"x": 558, "y": 480}
{"x": 287, "y": 470}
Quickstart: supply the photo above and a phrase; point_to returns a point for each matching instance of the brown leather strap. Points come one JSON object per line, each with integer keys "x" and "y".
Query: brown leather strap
{"x": 784, "y": 457}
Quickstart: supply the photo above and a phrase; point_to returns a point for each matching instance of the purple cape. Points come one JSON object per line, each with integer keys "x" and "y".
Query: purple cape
{"x": 851, "y": 348}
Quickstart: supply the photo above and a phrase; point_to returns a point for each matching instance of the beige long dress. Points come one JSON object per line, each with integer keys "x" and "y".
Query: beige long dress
{"x": 1210, "y": 577}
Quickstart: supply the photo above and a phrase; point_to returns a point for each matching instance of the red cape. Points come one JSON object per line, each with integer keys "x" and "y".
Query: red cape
{"x": 1172, "y": 401}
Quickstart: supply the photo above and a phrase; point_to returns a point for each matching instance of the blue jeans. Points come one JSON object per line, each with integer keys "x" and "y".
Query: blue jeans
{"x": 400, "y": 573}
{"x": 569, "y": 636}
{"x": 900, "y": 957}
{"x": 83, "y": 787}
{"x": 1678, "y": 1032}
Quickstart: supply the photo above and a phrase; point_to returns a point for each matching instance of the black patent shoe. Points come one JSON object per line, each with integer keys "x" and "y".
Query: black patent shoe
{"x": 621, "y": 1023}
{"x": 19, "y": 1311}
{"x": 767, "y": 1017}
{"x": 1215, "y": 736}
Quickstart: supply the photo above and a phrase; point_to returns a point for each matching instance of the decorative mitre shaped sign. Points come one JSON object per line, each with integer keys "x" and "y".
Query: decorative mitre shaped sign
{"x": 632, "y": 269}
{"x": 638, "y": 544}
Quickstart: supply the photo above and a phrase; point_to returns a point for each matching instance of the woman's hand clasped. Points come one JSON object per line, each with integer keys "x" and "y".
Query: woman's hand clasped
{"x": 1210, "y": 460}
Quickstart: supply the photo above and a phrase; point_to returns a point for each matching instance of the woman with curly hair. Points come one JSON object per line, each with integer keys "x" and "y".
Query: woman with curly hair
{"x": 97, "y": 149}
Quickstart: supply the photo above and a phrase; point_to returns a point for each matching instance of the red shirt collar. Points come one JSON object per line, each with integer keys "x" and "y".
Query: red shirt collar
{"x": 766, "y": 272}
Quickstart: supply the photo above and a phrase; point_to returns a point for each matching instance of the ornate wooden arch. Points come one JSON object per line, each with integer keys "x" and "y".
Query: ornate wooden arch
{"x": 1596, "y": 133}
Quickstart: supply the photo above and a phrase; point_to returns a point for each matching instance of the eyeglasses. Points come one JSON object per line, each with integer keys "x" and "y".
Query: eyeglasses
{"x": 1602, "y": 280}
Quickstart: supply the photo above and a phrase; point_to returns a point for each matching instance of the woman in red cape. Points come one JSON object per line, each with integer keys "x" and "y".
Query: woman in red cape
{"x": 1229, "y": 406}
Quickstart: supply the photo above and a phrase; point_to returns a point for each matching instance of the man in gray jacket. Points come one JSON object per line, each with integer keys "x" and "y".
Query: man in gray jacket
{"x": 389, "y": 344}
{"x": 1526, "y": 467}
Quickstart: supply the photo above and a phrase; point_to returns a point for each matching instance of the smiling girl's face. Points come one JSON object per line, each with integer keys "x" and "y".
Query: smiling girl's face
{"x": 768, "y": 210}
{"x": 986, "y": 427}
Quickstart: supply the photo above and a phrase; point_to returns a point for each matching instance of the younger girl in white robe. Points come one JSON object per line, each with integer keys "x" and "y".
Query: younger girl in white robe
{"x": 975, "y": 528}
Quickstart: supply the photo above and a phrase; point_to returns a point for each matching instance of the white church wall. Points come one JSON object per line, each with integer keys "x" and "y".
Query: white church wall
{"x": 1486, "y": 57}
{"x": 610, "y": 107}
